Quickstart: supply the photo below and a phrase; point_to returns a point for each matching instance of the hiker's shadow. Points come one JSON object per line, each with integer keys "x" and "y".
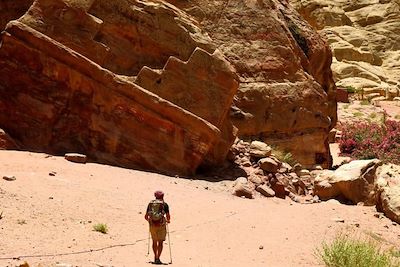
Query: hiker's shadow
{"x": 163, "y": 263}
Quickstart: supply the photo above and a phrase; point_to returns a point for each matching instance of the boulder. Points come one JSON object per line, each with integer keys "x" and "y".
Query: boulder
{"x": 260, "y": 149}
{"x": 389, "y": 202}
{"x": 269, "y": 165}
{"x": 356, "y": 181}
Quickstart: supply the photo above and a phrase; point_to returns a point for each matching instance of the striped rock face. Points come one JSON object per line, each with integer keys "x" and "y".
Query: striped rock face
{"x": 68, "y": 84}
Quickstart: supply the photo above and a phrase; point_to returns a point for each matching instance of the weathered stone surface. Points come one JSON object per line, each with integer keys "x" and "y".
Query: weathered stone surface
{"x": 204, "y": 85}
{"x": 389, "y": 202}
{"x": 265, "y": 191}
{"x": 356, "y": 181}
{"x": 364, "y": 38}
{"x": 269, "y": 165}
{"x": 242, "y": 188}
{"x": 389, "y": 188}
{"x": 6, "y": 142}
{"x": 68, "y": 98}
{"x": 260, "y": 149}
{"x": 287, "y": 95}
{"x": 75, "y": 157}
{"x": 12, "y": 9}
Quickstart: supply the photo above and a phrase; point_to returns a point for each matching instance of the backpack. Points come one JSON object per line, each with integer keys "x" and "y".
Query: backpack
{"x": 156, "y": 211}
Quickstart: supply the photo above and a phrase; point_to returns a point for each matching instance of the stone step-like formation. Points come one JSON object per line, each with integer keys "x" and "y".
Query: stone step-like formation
{"x": 64, "y": 102}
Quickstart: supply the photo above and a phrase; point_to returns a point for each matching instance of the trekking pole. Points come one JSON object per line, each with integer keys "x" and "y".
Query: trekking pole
{"x": 169, "y": 242}
{"x": 148, "y": 243}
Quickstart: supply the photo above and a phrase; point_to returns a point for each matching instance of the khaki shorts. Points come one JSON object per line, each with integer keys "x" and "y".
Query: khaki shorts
{"x": 158, "y": 233}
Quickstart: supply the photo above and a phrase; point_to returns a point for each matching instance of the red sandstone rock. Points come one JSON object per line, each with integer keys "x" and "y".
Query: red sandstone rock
{"x": 68, "y": 98}
{"x": 287, "y": 94}
{"x": 6, "y": 142}
{"x": 63, "y": 102}
{"x": 12, "y": 9}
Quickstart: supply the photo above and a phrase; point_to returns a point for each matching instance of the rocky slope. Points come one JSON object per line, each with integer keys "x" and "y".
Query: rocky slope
{"x": 365, "y": 39}
{"x": 130, "y": 82}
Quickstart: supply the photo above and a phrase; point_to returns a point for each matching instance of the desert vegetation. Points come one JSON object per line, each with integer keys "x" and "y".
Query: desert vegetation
{"x": 348, "y": 251}
{"x": 367, "y": 140}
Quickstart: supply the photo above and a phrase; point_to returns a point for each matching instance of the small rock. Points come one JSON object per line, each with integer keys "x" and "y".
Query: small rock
{"x": 240, "y": 180}
{"x": 255, "y": 179}
{"x": 260, "y": 149}
{"x": 316, "y": 199}
{"x": 333, "y": 201}
{"x": 9, "y": 178}
{"x": 338, "y": 220}
{"x": 304, "y": 172}
{"x": 357, "y": 225}
{"x": 52, "y": 173}
{"x": 268, "y": 165}
{"x": 51, "y": 198}
{"x": 261, "y": 247}
{"x": 75, "y": 157}
{"x": 297, "y": 168}
{"x": 243, "y": 190}
{"x": 265, "y": 191}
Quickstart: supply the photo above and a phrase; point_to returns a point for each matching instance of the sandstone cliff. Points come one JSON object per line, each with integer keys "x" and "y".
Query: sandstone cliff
{"x": 286, "y": 95}
{"x": 145, "y": 84}
{"x": 68, "y": 71}
{"x": 365, "y": 39}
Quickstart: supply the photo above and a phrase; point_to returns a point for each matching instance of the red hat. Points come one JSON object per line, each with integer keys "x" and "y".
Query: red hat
{"x": 159, "y": 194}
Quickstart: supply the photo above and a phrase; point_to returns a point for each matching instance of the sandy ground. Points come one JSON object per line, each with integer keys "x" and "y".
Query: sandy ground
{"x": 49, "y": 219}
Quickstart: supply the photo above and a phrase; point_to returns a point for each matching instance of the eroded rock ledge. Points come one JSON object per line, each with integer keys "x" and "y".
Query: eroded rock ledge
{"x": 69, "y": 98}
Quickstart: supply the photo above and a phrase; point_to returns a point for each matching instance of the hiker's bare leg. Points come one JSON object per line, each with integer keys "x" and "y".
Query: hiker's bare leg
{"x": 155, "y": 248}
{"x": 160, "y": 248}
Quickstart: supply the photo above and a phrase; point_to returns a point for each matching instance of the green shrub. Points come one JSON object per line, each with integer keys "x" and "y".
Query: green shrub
{"x": 101, "y": 227}
{"x": 344, "y": 251}
{"x": 284, "y": 156}
{"x": 351, "y": 89}
{"x": 365, "y": 102}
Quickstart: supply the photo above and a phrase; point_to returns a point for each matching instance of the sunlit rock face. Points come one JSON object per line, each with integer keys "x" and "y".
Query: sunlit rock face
{"x": 286, "y": 95}
{"x": 365, "y": 39}
{"x": 73, "y": 79}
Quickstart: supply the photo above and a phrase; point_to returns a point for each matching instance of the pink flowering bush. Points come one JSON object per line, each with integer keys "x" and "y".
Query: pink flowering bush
{"x": 364, "y": 140}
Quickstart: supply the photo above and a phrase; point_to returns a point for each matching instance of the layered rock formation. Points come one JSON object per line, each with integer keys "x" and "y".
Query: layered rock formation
{"x": 286, "y": 95}
{"x": 76, "y": 63}
{"x": 365, "y": 39}
{"x": 142, "y": 84}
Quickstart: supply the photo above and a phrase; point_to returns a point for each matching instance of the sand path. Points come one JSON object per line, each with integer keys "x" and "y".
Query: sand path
{"x": 54, "y": 215}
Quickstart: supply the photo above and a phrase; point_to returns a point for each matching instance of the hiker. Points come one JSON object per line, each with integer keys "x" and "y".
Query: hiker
{"x": 158, "y": 216}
